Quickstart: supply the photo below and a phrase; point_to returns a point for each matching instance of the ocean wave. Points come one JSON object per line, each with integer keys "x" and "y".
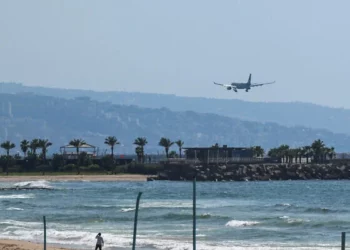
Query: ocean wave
{"x": 240, "y": 223}
{"x": 127, "y": 209}
{"x": 319, "y": 210}
{"x": 17, "y": 196}
{"x": 294, "y": 221}
{"x": 85, "y": 239}
{"x": 283, "y": 205}
{"x": 41, "y": 184}
{"x": 14, "y": 209}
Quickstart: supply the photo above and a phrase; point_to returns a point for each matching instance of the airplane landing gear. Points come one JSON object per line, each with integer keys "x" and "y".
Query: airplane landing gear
{"x": 246, "y": 90}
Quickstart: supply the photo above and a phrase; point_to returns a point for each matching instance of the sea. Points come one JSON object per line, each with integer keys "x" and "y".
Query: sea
{"x": 230, "y": 215}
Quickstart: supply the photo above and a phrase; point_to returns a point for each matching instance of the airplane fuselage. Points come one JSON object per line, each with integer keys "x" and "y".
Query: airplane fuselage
{"x": 241, "y": 85}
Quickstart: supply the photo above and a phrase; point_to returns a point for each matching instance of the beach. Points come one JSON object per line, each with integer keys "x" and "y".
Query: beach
{"x": 24, "y": 245}
{"x": 81, "y": 177}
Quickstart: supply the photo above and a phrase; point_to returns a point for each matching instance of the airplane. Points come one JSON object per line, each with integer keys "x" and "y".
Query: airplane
{"x": 237, "y": 85}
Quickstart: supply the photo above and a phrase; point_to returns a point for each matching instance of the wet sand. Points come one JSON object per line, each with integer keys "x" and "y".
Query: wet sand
{"x": 24, "y": 245}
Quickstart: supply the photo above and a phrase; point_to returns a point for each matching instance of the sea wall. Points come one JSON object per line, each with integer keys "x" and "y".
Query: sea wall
{"x": 256, "y": 172}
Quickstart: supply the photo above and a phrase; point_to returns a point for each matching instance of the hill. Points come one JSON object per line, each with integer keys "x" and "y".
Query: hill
{"x": 286, "y": 114}
{"x": 27, "y": 116}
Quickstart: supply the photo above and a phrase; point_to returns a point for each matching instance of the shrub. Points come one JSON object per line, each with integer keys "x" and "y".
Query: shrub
{"x": 57, "y": 162}
{"x": 150, "y": 169}
{"x": 107, "y": 162}
{"x": 68, "y": 167}
{"x": 91, "y": 168}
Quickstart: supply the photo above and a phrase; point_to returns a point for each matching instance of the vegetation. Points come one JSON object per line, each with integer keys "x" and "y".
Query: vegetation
{"x": 111, "y": 141}
{"x": 166, "y": 143}
{"x": 141, "y": 143}
{"x": 180, "y": 144}
{"x": 7, "y": 145}
{"x": 317, "y": 151}
{"x": 77, "y": 143}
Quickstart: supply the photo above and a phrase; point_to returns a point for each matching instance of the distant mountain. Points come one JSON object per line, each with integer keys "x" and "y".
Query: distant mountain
{"x": 288, "y": 114}
{"x": 27, "y": 116}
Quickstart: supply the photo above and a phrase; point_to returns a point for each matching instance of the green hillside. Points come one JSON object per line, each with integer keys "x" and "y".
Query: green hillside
{"x": 28, "y": 116}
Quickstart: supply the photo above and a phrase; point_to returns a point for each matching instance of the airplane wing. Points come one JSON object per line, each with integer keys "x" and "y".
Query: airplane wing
{"x": 224, "y": 85}
{"x": 261, "y": 84}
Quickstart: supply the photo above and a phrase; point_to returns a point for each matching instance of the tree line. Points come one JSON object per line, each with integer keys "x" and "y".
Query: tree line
{"x": 30, "y": 147}
{"x": 317, "y": 151}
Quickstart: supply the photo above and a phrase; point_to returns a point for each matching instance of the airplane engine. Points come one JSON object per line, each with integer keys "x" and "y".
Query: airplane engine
{"x": 229, "y": 88}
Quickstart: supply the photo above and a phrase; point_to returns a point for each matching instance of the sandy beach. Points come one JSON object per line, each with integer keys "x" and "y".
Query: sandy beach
{"x": 123, "y": 177}
{"x": 24, "y": 245}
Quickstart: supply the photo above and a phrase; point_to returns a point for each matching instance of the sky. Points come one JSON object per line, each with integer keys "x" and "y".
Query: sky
{"x": 181, "y": 47}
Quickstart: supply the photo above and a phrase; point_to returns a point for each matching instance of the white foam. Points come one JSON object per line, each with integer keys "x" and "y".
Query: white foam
{"x": 33, "y": 184}
{"x": 293, "y": 220}
{"x": 17, "y": 196}
{"x": 240, "y": 223}
{"x": 166, "y": 204}
{"x": 76, "y": 238}
{"x": 127, "y": 209}
{"x": 14, "y": 209}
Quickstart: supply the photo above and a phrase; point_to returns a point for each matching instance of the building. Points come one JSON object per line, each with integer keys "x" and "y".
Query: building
{"x": 216, "y": 154}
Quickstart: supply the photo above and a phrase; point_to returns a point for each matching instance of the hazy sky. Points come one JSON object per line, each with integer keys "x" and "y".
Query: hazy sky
{"x": 181, "y": 47}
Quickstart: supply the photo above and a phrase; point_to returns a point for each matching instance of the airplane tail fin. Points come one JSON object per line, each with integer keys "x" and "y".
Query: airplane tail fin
{"x": 249, "y": 79}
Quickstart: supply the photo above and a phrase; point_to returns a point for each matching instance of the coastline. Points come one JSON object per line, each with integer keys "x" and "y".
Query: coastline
{"x": 25, "y": 245}
{"x": 81, "y": 177}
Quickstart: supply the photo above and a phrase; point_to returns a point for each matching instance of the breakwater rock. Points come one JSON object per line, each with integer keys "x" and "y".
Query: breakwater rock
{"x": 256, "y": 172}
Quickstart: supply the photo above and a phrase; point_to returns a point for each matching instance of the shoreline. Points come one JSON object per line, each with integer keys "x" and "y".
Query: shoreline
{"x": 27, "y": 245}
{"x": 81, "y": 177}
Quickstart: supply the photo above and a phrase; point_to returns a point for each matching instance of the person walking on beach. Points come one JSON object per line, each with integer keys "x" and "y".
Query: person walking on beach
{"x": 99, "y": 242}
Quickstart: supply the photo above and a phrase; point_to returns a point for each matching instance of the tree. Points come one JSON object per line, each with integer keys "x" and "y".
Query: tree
{"x": 141, "y": 143}
{"x": 166, "y": 143}
{"x": 318, "y": 149}
{"x": 283, "y": 152}
{"x": 44, "y": 144}
{"x": 258, "y": 151}
{"x": 77, "y": 143}
{"x": 331, "y": 152}
{"x": 308, "y": 153}
{"x": 180, "y": 144}
{"x": 25, "y": 146}
{"x": 34, "y": 144}
{"x": 172, "y": 154}
{"x": 112, "y": 141}
{"x": 7, "y": 145}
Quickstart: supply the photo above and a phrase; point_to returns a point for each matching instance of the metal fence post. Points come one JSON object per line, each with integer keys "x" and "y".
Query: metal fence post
{"x": 343, "y": 241}
{"x": 135, "y": 220}
{"x": 44, "y": 233}
{"x": 194, "y": 213}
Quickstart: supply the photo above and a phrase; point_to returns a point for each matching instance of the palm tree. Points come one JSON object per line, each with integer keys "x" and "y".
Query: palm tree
{"x": 308, "y": 153}
{"x": 112, "y": 141}
{"x": 34, "y": 144}
{"x": 141, "y": 143}
{"x": 166, "y": 143}
{"x": 180, "y": 144}
{"x": 283, "y": 152}
{"x": 273, "y": 153}
{"x": 25, "y": 146}
{"x": 44, "y": 144}
{"x": 318, "y": 148}
{"x": 258, "y": 151}
{"x": 7, "y": 145}
{"x": 77, "y": 143}
{"x": 331, "y": 153}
